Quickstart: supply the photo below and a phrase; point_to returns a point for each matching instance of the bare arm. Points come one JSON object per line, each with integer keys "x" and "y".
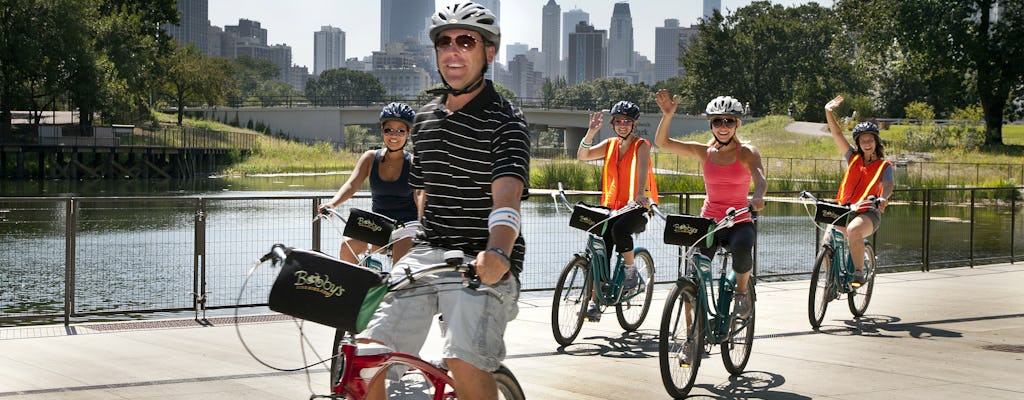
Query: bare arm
{"x": 668, "y": 106}
{"x": 355, "y": 180}
{"x": 752, "y": 159}
{"x": 833, "y": 125}
{"x": 491, "y": 267}
{"x": 419, "y": 196}
{"x": 587, "y": 150}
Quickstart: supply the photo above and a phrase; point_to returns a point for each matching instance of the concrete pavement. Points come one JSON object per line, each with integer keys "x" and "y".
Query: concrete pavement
{"x": 950, "y": 333}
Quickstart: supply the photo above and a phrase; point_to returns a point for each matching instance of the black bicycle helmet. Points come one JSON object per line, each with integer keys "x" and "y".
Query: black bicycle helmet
{"x": 397, "y": 112}
{"x": 626, "y": 109}
{"x": 724, "y": 105}
{"x": 466, "y": 15}
{"x": 866, "y": 126}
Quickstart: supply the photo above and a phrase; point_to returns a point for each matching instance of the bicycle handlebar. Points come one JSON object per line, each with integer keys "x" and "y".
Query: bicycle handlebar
{"x": 454, "y": 262}
{"x": 871, "y": 201}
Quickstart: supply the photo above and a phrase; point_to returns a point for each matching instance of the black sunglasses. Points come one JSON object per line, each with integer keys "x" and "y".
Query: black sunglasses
{"x": 728, "y": 122}
{"x": 389, "y": 131}
{"x": 463, "y": 42}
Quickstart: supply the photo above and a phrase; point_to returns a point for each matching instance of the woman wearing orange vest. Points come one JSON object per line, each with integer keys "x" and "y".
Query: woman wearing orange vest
{"x": 628, "y": 176}
{"x": 867, "y": 174}
{"x": 729, "y": 168}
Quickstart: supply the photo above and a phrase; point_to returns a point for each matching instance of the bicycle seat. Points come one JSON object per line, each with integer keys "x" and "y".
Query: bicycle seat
{"x": 372, "y": 349}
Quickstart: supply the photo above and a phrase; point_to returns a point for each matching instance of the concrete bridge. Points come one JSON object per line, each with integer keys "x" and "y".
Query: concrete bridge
{"x": 328, "y": 123}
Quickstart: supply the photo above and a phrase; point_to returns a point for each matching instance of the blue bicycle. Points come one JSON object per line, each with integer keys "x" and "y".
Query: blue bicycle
{"x": 588, "y": 276}
{"x": 698, "y": 312}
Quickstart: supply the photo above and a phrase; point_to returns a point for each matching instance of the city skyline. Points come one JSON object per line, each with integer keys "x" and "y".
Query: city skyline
{"x": 294, "y": 23}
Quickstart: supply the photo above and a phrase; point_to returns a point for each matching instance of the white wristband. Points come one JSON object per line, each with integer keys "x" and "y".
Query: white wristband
{"x": 505, "y": 216}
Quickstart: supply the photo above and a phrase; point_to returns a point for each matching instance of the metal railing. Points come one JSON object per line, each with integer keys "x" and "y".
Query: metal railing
{"x": 119, "y": 257}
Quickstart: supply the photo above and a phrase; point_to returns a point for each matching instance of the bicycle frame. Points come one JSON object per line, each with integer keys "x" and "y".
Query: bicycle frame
{"x": 841, "y": 265}
{"x": 607, "y": 284}
{"x": 697, "y": 272}
{"x": 354, "y": 384}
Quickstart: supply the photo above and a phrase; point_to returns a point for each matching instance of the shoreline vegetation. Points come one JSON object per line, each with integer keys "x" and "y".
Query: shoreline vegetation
{"x": 274, "y": 156}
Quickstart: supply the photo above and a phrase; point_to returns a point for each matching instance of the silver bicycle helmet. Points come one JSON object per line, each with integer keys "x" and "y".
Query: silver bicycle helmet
{"x": 467, "y": 15}
{"x": 724, "y": 105}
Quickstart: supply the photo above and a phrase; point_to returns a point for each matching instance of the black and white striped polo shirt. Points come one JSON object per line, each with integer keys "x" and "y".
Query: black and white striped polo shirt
{"x": 456, "y": 157}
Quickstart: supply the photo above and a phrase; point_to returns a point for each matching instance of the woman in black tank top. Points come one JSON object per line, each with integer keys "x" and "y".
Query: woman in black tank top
{"x": 388, "y": 170}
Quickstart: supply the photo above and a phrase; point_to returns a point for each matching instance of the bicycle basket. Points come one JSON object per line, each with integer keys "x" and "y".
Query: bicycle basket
{"x": 585, "y": 216}
{"x": 369, "y": 227}
{"x": 685, "y": 230}
{"x": 831, "y": 213}
{"x": 319, "y": 288}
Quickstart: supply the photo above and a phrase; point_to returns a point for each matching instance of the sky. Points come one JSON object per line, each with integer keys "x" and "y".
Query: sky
{"x": 293, "y": 22}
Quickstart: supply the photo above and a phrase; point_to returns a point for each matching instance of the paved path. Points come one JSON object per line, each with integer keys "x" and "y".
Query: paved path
{"x": 952, "y": 333}
{"x": 808, "y": 128}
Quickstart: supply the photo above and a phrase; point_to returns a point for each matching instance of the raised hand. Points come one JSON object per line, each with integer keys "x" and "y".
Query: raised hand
{"x": 834, "y": 103}
{"x": 666, "y": 102}
{"x": 595, "y": 120}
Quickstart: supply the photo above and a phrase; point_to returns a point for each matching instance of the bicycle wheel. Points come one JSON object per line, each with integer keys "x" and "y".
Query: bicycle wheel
{"x": 631, "y": 313}
{"x": 508, "y": 385}
{"x": 571, "y": 297}
{"x": 818, "y": 298}
{"x": 858, "y": 299}
{"x": 680, "y": 339}
{"x": 736, "y": 349}
{"x": 337, "y": 360}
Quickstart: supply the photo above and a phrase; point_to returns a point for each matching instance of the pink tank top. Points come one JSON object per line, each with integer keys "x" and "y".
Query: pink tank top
{"x": 727, "y": 186}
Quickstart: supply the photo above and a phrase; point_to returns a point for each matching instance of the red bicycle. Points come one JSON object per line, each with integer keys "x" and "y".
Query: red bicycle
{"x": 358, "y": 368}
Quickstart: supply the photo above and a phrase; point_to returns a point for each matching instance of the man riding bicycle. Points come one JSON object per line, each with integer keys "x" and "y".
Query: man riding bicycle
{"x": 471, "y": 158}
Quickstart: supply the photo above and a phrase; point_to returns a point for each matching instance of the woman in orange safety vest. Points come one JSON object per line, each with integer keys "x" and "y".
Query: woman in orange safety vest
{"x": 627, "y": 177}
{"x": 867, "y": 174}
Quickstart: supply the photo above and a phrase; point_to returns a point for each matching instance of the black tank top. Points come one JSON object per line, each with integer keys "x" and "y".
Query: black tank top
{"x": 393, "y": 199}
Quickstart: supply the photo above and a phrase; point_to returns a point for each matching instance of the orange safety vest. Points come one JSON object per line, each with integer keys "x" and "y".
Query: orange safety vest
{"x": 861, "y": 181}
{"x": 612, "y": 194}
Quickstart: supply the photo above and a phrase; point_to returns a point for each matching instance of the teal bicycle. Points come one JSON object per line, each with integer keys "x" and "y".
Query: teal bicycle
{"x": 832, "y": 275}
{"x": 698, "y": 311}
{"x": 588, "y": 275}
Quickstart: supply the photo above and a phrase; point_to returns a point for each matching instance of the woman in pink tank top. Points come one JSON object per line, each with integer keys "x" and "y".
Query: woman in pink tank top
{"x": 729, "y": 168}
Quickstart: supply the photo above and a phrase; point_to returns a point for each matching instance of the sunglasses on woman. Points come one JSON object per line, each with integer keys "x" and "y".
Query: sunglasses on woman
{"x": 727, "y": 122}
{"x": 462, "y": 42}
{"x": 389, "y": 131}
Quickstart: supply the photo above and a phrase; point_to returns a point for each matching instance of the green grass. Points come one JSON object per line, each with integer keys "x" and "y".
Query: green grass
{"x": 274, "y": 155}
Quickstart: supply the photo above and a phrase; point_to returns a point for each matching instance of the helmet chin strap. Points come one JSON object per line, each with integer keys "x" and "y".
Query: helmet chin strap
{"x": 448, "y": 90}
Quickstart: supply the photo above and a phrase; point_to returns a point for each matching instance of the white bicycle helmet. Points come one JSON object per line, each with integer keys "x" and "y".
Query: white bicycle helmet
{"x": 467, "y": 15}
{"x": 724, "y": 105}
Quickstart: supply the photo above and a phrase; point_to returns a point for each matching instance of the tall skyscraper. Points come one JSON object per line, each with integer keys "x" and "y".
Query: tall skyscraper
{"x": 193, "y": 25}
{"x": 667, "y": 41}
{"x": 587, "y": 54}
{"x": 328, "y": 49}
{"x": 570, "y": 19}
{"x": 620, "y": 40}
{"x": 401, "y": 20}
{"x": 710, "y": 6}
{"x": 549, "y": 39}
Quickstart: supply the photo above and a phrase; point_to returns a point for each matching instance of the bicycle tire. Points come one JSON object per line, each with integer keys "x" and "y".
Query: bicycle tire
{"x": 631, "y": 313}
{"x": 508, "y": 385}
{"x": 859, "y": 299}
{"x": 572, "y": 294}
{"x": 818, "y": 296}
{"x": 337, "y": 360}
{"x": 736, "y": 348}
{"x": 676, "y": 375}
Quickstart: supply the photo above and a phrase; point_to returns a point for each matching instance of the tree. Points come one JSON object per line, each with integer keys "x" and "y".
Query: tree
{"x": 770, "y": 56}
{"x": 343, "y": 86}
{"x": 190, "y": 77}
{"x": 975, "y": 40}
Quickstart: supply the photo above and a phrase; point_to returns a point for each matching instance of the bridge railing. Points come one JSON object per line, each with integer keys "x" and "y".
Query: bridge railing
{"x": 73, "y": 259}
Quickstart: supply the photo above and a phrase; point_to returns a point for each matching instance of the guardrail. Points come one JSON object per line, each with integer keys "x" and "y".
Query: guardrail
{"x": 71, "y": 259}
